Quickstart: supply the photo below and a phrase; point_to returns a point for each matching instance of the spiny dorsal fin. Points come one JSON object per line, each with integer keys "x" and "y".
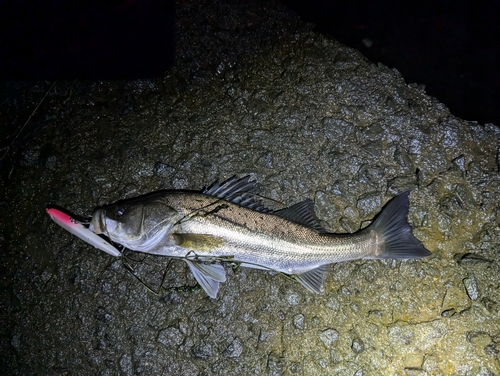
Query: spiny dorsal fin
{"x": 303, "y": 214}
{"x": 314, "y": 280}
{"x": 241, "y": 192}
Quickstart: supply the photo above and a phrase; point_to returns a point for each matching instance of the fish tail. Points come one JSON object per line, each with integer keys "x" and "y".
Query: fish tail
{"x": 393, "y": 227}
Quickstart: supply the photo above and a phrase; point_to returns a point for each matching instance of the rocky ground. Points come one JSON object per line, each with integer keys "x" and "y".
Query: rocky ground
{"x": 308, "y": 118}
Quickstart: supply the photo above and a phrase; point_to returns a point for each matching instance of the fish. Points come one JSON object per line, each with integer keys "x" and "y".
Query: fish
{"x": 230, "y": 222}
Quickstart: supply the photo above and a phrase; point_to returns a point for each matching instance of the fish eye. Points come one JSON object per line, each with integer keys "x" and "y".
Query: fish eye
{"x": 120, "y": 211}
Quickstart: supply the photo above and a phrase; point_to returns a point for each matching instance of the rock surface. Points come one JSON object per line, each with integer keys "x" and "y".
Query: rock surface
{"x": 308, "y": 118}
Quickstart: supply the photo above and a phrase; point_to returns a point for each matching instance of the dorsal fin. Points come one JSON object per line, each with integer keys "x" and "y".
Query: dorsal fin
{"x": 241, "y": 192}
{"x": 303, "y": 214}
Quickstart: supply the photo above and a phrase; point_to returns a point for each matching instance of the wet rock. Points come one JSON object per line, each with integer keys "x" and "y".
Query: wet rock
{"x": 298, "y": 321}
{"x": 203, "y": 351}
{"x": 329, "y": 337}
{"x": 401, "y": 184}
{"x": 401, "y": 335}
{"x": 491, "y": 305}
{"x": 345, "y": 290}
{"x": 170, "y": 337}
{"x": 235, "y": 349}
{"x": 295, "y": 368}
{"x": 471, "y": 287}
{"x": 293, "y": 299}
{"x": 480, "y": 339}
{"x": 451, "y": 205}
{"x": 104, "y": 339}
{"x": 455, "y": 301}
{"x": 163, "y": 170}
{"x": 471, "y": 258}
{"x": 358, "y": 345}
{"x": 126, "y": 365}
{"x": 266, "y": 160}
{"x": 350, "y": 221}
{"x": 369, "y": 205}
{"x": 15, "y": 341}
{"x": 102, "y": 315}
{"x": 413, "y": 361}
{"x": 275, "y": 365}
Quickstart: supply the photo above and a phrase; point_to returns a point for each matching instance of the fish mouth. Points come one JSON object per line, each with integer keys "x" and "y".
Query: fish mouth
{"x": 97, "y": 225}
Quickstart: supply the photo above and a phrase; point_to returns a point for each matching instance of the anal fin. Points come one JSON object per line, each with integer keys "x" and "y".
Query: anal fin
{"x": 208, "y": 276}
{"x": 314, "y": 279}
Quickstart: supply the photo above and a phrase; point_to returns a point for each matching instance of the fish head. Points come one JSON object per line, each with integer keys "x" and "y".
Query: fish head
{"x": 140, "y": 224}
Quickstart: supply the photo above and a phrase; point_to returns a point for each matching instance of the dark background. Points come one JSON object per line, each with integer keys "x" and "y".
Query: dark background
{"x": 91, "y": 39}
{"x": 451, "y": 47}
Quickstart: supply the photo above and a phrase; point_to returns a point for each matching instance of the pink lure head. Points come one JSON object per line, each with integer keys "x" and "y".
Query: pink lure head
{"x": 74, "y": 226}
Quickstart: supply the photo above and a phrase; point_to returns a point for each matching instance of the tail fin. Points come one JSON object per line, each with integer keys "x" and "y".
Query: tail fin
{"x": 392, "y": 224}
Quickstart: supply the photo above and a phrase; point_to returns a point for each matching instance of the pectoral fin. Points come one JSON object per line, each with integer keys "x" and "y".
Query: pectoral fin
{"x": 208, "y": 276}
{"x": 314, "y": 280}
